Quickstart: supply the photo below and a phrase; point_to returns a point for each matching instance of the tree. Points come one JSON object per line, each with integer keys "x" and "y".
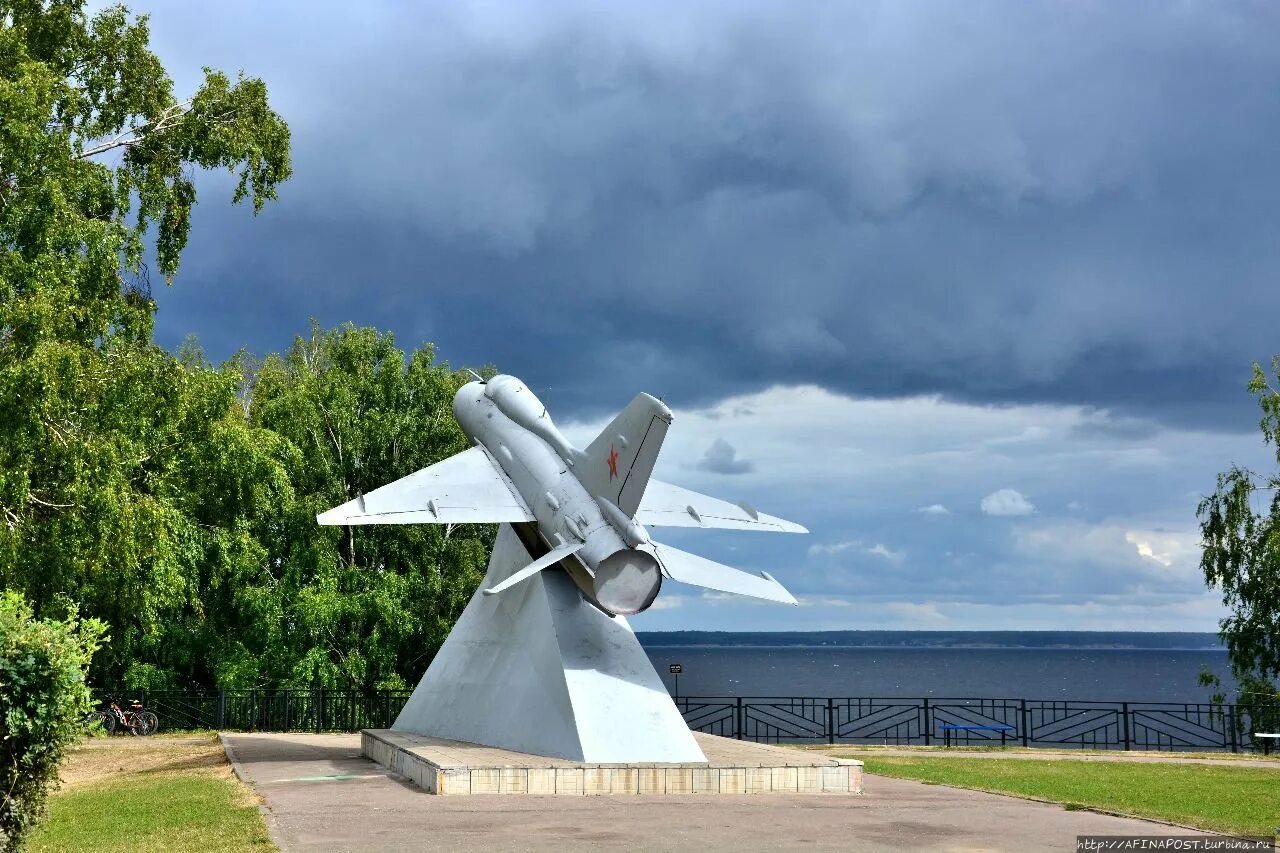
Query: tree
{"x": 74, "y": 90}
{"x": 1240, "y": 528}
{"x": 96, "y": 153}
{"x": 169, "y": 497}
{"x": 43, "y": 695}
{"x": 363, "y": 607}
{"x": 221, "y": 482}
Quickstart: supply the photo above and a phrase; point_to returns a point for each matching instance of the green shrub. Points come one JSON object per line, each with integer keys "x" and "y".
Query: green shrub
{"x": 43, "y": 696}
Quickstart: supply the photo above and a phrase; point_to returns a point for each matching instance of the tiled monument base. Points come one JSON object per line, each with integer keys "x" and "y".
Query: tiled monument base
{"x": 452, "y": 767}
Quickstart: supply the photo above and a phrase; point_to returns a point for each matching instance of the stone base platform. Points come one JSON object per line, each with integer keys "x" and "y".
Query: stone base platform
{"x": 453, "y": 767}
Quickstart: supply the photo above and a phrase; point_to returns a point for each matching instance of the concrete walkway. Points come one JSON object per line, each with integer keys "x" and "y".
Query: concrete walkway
{"x": 323, "y": 795}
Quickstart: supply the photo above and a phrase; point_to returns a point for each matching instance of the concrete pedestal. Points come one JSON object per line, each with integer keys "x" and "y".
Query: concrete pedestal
{"x": 537, "y": 669}
{"x": 442, "y": 766}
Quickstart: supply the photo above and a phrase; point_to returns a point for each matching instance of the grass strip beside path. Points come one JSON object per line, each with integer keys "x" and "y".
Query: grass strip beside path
{"x": 136, "y": 794}
{"x": 1239, "y": 800}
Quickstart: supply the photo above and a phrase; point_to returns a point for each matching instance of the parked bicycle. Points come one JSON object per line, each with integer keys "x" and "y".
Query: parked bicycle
{"x": 100, "y": 718}
{"x": 133, "y": 719}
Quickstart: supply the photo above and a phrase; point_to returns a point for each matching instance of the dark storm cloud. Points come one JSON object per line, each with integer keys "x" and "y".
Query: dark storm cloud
{"x": 1000, "y": 202}
{"x": 1103, "y": 425}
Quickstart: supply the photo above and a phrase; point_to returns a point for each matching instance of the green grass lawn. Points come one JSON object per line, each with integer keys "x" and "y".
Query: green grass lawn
{"x": 861, "y": 750}
{"x": 1241, "y": 800}
{"x": 141, "y": 795}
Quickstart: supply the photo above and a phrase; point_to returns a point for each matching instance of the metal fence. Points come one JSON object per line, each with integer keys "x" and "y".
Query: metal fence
{"x": 976, "y": 722}
{"x": 273, "y": 710}
{"x": 962, "y": 722}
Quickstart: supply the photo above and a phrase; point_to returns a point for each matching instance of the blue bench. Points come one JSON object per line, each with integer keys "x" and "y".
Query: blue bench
{"x": 948, "y": 728}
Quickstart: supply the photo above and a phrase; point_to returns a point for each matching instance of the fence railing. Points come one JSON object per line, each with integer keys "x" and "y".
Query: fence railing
{"x": 316, "y": 710}
{"x": 1160, "y": 726}
{"x": 965, "y": 722}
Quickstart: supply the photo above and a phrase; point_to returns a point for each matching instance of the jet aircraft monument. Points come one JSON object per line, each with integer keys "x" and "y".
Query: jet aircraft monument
{"x": 542, "y": 659}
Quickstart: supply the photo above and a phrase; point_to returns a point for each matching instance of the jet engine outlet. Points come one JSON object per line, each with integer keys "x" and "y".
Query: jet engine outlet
{"x": 627, "y": 581}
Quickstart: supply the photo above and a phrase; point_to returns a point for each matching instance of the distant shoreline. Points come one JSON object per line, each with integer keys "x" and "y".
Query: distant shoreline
{"x": 646, "y": 644}
{"x": 1031, "y": 640}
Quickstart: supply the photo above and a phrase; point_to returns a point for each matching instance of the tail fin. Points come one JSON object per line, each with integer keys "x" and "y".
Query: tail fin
{"x": 618, "y": 463}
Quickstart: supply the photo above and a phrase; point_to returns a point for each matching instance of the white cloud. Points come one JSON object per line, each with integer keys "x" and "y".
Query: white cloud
{"x": 823, "y": 601}
{"x": 828, "y": 549}
{"x": 1169, "y": 549}
{"x": 880, "y": 550}
{"x": 1007, "y": 502}
{"x": 722, "y": 458}
{"x": 934, "y": 509}
{"x": 1076, "y": 545}
{"x": 1119, "y": 556}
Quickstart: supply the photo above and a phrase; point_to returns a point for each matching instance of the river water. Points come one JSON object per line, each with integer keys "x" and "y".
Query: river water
{"x": 1139, "y": 675}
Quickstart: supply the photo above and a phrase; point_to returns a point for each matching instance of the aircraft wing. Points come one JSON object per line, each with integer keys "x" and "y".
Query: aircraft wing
{"x": 465, "y": 488}
{"x": 665, "y": 505}
{"x": 690, "y": 568}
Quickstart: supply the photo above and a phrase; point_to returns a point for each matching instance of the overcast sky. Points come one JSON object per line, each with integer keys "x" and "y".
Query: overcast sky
{"x": 970, "y": 289}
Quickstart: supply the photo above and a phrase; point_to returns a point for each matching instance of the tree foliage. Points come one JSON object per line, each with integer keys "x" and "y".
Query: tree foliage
{"x": 43, "y": 695}
{"x": 369, "y": 604}
{"x": 275, "y": 598}
{"x": 77, "y": 93}
{"x": 1240, "y": 528}
{"x": 172, "y": 498}
{"x": 95, "y": 154}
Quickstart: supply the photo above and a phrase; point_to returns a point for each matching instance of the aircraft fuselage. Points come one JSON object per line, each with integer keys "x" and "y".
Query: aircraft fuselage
{"x": 511, "y": 424}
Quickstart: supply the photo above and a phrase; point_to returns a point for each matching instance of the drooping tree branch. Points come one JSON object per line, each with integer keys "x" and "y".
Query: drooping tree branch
{"x": 139, "y": 133}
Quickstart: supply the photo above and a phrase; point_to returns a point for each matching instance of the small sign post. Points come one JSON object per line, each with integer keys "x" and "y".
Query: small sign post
{"x": 675, "y": 669}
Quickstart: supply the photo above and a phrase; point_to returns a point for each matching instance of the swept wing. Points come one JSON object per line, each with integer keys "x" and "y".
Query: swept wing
{"x": 465, "y": 488}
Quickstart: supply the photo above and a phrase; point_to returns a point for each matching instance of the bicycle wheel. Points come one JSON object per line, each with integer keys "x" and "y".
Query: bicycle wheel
{"x": 108, "y": 722}
{"x": 148, "y": 722}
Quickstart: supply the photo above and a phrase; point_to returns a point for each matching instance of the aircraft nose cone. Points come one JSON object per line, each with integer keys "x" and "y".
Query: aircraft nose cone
{"x": 627, "y": 581}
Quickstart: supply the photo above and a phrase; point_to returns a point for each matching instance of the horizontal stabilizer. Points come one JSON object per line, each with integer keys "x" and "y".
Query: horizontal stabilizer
{"x": 546, "y": 561}
{"x": 665, "y": 505}
{"x": 689, "y": 568}
{"x": 467, "y": 488}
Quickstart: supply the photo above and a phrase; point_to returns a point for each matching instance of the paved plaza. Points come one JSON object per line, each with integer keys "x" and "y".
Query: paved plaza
{"x": 321, "y": 794}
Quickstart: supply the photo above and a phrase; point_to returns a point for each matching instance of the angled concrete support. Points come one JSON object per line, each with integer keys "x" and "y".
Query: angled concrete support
{"x": 537, "y": 669}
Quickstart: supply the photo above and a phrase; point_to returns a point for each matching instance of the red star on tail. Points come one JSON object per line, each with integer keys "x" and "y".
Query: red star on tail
{"x": 613, "y": 462}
